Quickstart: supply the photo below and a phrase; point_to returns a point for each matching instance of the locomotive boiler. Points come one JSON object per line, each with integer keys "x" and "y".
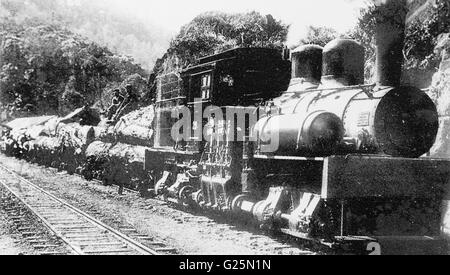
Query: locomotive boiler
{"x": 343, "y": 116}
{"x": 348, "y": 166}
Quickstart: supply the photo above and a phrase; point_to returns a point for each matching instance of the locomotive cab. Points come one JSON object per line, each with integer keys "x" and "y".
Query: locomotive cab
{"x": 240, "y": 76}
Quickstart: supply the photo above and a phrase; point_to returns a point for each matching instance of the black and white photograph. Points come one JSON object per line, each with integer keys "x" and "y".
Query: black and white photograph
{"x": 204, "y": 129}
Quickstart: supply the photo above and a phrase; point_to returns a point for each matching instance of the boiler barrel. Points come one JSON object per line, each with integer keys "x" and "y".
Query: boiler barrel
{"x": 316, "y": 133}
{"x": 400, "y": 122}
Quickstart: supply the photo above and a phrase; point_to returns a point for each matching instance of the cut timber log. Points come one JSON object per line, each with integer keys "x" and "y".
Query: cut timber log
{"x": 135, "y": 134}
{"x": 125, "y": 163}
{"x": 136, "y": 128}
{"x": 50, "y": 127}
{"x": 128, "y": 153}
{"x": 76, "y": 135}
{"x": 98, "y": 148}
{"x": 45, "y": 143}
{"x": 104, "y": 133}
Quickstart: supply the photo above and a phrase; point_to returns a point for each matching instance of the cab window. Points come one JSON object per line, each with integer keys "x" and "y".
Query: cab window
{"x": 206, "y": 86}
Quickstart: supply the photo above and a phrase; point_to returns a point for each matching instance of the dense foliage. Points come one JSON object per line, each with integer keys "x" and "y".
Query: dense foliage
{"x": 96, "y": 20}
{"x": 421, "y": 62}
{"x": 319, "y": 36}
{"x": 421, "y": 37}
{"x": 421, "y": 40}
{"x": 47, "y": 69}
{"x": 213, "y": 32}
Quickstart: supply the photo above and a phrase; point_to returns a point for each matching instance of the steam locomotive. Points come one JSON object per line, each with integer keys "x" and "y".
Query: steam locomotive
{"x": 305, "y": 146}
{"x": 298, "y": 143}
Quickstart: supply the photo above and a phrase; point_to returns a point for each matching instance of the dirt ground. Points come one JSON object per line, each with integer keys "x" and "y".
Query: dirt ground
{"x": 10, "y": 244}
{"x": 189, "y": 233}
{"x": 7, "y": 244}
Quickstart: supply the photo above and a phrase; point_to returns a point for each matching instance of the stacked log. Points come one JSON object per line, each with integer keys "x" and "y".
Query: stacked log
{"x": 97, "y": 161}
{"x": 76, "y": 135}
{"x": 50, "y": 127}
{"x": 45, "y": 150}
{"x": 104, "y": 133}
{"x": 98, "y": 148}
{"x": 115, "y": 163}
{"x": 136, "y": 128}
{"x": 126, "y": 164}
{"x": 74, "y": 140}
{"x": 112, "y": 153}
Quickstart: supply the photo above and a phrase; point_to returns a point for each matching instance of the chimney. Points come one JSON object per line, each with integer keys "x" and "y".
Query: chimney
{"x": 390, "y": 16}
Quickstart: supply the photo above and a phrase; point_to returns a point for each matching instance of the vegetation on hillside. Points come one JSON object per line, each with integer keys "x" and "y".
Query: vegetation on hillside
{"x": 213, "y": 32}
{"x": 421, "y": 37}
{"x": 95, "y": 20}
{"x": 47, "y": 69}
{"x": 421, "y": 40}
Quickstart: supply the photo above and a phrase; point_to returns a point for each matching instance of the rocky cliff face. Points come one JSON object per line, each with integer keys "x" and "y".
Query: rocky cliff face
{"x": 440, "y": 92}
{"x": 418, "y": 9}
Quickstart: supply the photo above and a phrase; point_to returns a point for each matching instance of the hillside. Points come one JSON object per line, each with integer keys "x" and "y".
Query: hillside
{"x": 94, "y": 20}
{"x": 48, "y": 69}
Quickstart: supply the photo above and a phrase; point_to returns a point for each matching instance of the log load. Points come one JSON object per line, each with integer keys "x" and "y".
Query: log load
{"x": 126, "y": 164}
{"x": 136, "y": 128}
{"x": 104, "y": 133}
{"x": 44, "y": 150}
{"x": 74, "y": 139}
{"x": 98, "y": 148}
{"x": 114, "y": 154}
{"x": 50, "y": 127}
{"x": 115, "y": 163}
{"x": 130, "y": 153}
{"x": 75, "y": 135}
{"x": 97, "y": 161}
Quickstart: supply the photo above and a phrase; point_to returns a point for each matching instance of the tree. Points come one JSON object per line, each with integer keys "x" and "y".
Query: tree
{"x": 47, "y": 69}
{"x": 319, "y": 36}
{"x": 212, "y": 32}
{"x": 421, "y": 40}
{"x": 421, "y": 37}
{"x": 364, "y": 33}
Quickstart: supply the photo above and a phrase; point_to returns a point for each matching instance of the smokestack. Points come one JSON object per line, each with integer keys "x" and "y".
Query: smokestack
{"x": 390, "y": 17}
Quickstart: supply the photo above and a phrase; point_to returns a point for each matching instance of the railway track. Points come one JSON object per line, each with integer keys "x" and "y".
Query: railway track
{"x": 277, "y": 244}
{"x": 80, "y": 232}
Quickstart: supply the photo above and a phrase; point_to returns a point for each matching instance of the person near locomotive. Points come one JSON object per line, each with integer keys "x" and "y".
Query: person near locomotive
{"x": 115, "y": 103}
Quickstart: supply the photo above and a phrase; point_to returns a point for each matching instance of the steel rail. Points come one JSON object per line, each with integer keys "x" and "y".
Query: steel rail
{"x": 138, "y": 247}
